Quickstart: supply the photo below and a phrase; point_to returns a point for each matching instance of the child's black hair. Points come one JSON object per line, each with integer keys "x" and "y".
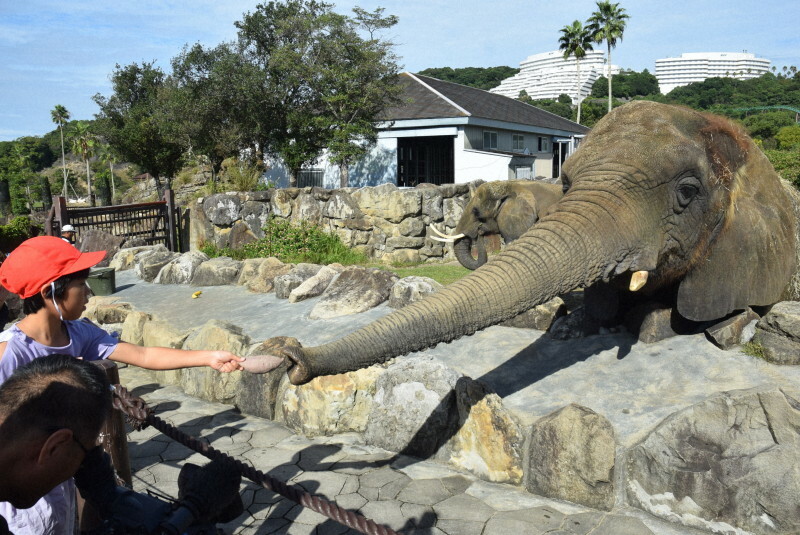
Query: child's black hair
{"x": 34, "y": 303}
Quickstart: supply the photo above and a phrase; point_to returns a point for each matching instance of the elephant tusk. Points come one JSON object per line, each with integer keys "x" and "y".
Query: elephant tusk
{"x": 638, "y": 280}
{"x": 443, "y": 235}
{"x": 443, "y": 240}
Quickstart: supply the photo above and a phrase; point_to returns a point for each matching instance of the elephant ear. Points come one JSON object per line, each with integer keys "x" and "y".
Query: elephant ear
{"x": 516, "y": 215}
{"x": 752, "y": 258}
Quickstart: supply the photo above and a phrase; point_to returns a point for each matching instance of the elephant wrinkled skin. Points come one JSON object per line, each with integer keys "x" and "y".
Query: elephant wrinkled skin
{"x": 675, "y": 204}
{"x": 505, "y": 207}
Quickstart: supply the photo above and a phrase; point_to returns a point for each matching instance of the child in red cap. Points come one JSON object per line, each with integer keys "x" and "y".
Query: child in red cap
{"x": 50, "y": 276}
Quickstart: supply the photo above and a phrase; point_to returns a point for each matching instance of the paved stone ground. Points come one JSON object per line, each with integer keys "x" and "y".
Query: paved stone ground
{"x": 409, "y": 495}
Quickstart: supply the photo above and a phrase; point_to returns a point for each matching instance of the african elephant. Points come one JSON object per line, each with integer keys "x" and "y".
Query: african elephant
{"x": 505, "y": 207}
{"x": 660, "y": 200}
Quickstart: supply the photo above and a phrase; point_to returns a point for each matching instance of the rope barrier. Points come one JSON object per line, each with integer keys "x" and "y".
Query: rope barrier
{"x": 139, "y": 415}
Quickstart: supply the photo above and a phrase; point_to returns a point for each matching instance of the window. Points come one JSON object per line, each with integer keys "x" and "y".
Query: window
{"x": 523, "y": 172}
{"x": 517, "y": 142}
{"x": 544, "y": 144}
{"x": 489, "y": 140}
{"x": 310, "y": 177}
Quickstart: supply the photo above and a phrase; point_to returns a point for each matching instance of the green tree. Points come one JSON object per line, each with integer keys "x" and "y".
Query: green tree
{"x": 204, "y": 105}
{"x": 788, "y": 137}
{"x": 106, "y": 156}
{"x": 357, "y": 81}
{"x": 765, "y": 126}
{"x": 608, "y": 24}
{"x": 480, "y": 77}
{"x": 132, "y": 120}
{"x": 83, "y": 144}
{"x": 576, "y": 41}
{"x": 60, "y": 116}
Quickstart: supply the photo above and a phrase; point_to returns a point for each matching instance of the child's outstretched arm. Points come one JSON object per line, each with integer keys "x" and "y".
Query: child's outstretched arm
{"x": 165, "y": 358}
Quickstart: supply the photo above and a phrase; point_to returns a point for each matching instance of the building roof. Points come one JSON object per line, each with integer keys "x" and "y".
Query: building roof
{"x": 428, "y": 98}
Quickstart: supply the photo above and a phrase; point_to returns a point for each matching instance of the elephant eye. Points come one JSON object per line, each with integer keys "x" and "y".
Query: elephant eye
{"x": 687, "y": 190}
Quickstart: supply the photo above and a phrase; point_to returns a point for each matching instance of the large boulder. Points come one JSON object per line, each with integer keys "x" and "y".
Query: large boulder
{"x": 313, "y": 286}
{"x": 149, "y": 263}
{"x": 355, "y": 290}
{"x": 387, "y": 201}
{"x": 218, "y": 271}
{"x": 732, "y": 460}
{"x": 412, "y": 289}
{"x": 779, "y": 333}
{"x": 255, "y": 215}
{"x": 264, "y": 279}
{"x": 571, "y": 457}
{"x": 182, "y": 269}
{"x": 125, "y": 258}
{"x": 540, "y": 317}
{"x": 99, "y": 240}
{"x": 300, "y": 273}
{"x": 413, "y": 408}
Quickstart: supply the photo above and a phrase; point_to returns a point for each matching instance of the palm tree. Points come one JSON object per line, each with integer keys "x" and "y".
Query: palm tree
{"x": 107, "y": 155}
{"x": 60, "y": 116}
{"x": 608, "y": 24}
{"x": 83, "y": 141}
{"x": 576, "y": 41}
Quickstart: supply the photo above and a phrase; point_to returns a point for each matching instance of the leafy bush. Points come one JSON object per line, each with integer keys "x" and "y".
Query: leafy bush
{"x": 786, "y": 163}
{"x": 17, "y": 231}
{"x": 289, "y": 243}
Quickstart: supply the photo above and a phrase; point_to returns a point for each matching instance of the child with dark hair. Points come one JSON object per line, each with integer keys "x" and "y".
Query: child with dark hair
{"x": 50, "y": 276}
{"x": 51, "y": 412}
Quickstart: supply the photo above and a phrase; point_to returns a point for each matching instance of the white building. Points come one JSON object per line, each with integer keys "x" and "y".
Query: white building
{"x": 548, "y": 75}
{"x": 446, "y": 133}
{"x": 697, "y": 66}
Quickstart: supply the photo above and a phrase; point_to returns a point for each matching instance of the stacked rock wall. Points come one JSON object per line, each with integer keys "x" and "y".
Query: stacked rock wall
{"x": 384, "y": 222}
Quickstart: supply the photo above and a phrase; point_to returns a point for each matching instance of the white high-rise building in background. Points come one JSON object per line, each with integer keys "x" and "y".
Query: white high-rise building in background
{"x": 698, "y": 66}
{"x": 548, "y": 75}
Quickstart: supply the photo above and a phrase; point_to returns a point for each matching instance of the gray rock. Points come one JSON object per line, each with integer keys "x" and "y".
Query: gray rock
{"x": 652, "y": 321}
{"x": 240, "y": 235}
{"x": 149, "y": 263}
{"x": 571, "y": 457}
{"x": 217, "y": 272}
{"x": 341, "y": 205}
{"x": 355, "y": 290}
{"x": 779, "y": 332}
{"x": 222, "y": 209}
{"x": 181, "y": 270}
{"x": 413, "y": 409}
{"x": 98, "y": 240}
{"x": 732, "y": 459}
{"x": 412, "y": 289}
{"x": 728, "y": 333}
{"x": 284, "y": 284}
{"x": 432, "y": 204}
{"x": 313, "y": 286}
{"x": 306, "y": 209}
{"x": 569, "y": 326}
{"x": 249, "y": 271}
{"x": 540, "y": 317}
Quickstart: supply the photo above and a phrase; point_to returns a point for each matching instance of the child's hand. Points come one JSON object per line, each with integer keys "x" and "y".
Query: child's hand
{"x": 225, "y": 361}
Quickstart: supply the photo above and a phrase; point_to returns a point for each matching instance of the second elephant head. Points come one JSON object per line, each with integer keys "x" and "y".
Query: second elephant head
{"x": 505, "y": 207}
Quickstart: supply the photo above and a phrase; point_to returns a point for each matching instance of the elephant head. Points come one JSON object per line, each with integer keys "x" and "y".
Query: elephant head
{"x": 505, "y": 207}
{"x": 662, "y": 199}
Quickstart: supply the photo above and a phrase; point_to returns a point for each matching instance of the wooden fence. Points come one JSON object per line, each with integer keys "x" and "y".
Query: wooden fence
{"x": 154, "y": 222}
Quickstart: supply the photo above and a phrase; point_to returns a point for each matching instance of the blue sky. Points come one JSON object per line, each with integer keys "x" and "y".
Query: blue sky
{"x": 56, "y": 52}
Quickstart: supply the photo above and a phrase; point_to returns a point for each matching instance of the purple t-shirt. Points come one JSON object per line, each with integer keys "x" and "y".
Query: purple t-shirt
{"x": 53, "y": 514}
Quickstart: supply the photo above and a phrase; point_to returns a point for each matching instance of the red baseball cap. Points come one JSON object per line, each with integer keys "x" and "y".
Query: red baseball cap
{"x": 39, "y": 261}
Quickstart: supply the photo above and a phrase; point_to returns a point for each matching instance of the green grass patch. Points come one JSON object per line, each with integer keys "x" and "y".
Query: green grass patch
{"x": 441, "y": 273}
{"x": 290, "y": 243}
{"x": 754, "y": 349}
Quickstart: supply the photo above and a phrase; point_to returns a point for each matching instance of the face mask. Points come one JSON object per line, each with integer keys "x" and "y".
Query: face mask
{"x": 53, "y": 297}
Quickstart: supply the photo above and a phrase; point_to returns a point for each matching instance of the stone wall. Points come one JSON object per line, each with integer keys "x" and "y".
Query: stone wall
{"x": 384, "y": 222}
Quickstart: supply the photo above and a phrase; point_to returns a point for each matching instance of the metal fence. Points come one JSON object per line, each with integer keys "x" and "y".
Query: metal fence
{"x": 153, "y": 222}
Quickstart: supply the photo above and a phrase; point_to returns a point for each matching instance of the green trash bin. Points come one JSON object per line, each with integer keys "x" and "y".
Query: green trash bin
{"x": 102, "y": 281}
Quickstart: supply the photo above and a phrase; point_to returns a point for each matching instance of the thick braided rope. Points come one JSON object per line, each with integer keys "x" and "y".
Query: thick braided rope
{"x": 140, "y": 416}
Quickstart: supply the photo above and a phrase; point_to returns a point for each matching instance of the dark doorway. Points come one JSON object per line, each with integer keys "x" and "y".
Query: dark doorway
{"x": 425, "y": 159}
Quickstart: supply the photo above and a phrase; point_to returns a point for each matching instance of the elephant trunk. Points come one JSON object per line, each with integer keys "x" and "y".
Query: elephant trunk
{"x": 564, "y": 251}
{"x": 463, "y": 251}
